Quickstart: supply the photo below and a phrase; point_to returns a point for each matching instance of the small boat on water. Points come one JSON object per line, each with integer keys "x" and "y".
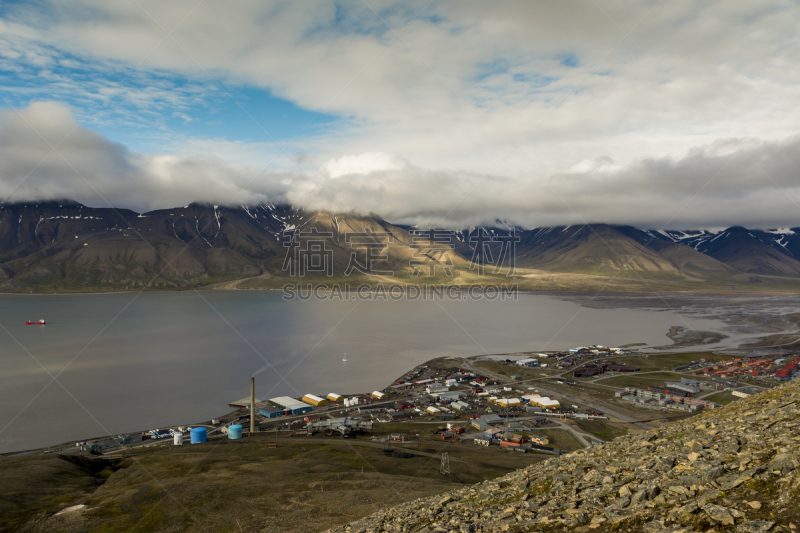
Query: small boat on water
{"x": 345, "y": 358}
{"x": 40, "y": 323}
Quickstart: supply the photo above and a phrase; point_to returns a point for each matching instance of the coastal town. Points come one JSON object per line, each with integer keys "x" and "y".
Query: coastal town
{"x": 544, "y": 403}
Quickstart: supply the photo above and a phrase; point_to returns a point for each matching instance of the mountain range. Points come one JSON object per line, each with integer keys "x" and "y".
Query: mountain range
{"x": 66, "y": 246}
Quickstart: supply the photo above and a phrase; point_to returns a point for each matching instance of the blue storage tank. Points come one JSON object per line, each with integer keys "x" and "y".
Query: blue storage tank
{"x": 197, "y": 435}
{"x": 235, "y": 431}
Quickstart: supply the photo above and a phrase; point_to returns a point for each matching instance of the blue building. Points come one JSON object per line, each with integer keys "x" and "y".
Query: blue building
{"x": 271, "y": 412}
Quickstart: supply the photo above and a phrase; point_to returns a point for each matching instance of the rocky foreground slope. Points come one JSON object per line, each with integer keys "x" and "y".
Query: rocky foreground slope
{"x": 732, "y": 469}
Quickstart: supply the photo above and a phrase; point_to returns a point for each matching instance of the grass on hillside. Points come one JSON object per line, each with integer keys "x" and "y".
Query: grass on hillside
{"x": 722, "y": 398}
{"x": 641, "y": 381}
{"x": 498, "y": 368}
{"x": 34, "y": 484}
{"x": 604, "y": 430}
{"x": 665, "y": 361}
{"x": 444, "y": 363}
{"x": 302, "y": 485}
{"x": 561, "y": 439}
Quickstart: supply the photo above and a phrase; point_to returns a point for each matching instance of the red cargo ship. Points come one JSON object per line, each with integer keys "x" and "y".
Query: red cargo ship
{"x": 40, "y": 323}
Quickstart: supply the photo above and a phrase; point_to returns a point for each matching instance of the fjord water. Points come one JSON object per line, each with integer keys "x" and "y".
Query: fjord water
{"x": 135, "y": 361}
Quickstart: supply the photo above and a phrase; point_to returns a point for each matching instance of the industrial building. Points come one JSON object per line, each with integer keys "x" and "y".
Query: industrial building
{"x": 663, "y": 390}
{"x": 270, "y": 411}
{"x": 681, "y": 387}
{"x": 545, "y": 403}
{"x": 601, "y": 367}
{"x": 448, "y": 396}
{"x": 660, "y": 399}
{"x": 541, "y": 441}
{"x": 486, "y": 421}
{"x": 694, "y": 383}
{"x": 508, "y": 402}
{"x": 344, "y": 426}
{"x": 335, "y": 398}
{"x": 378, "y": 395}
{"x": 315, "y": 401}
{"x": 493, "y": 433}
{"x": 291, "y": 405}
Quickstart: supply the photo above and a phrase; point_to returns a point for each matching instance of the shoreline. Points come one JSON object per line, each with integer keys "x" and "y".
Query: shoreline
{"x": 238, "y": 412}
{"x": 654, "y": 350}
{"x": 228, "y": 416}
{"x": 381, "y": 286}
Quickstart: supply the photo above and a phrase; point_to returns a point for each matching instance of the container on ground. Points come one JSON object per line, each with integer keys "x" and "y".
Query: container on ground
{"x": 197, "y": 435}
{"x": 235, "y": 431}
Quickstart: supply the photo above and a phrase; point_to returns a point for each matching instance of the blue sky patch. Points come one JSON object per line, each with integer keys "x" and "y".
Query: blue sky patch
{"x": 143, "y": 108}
{"x": 568, "y": 60}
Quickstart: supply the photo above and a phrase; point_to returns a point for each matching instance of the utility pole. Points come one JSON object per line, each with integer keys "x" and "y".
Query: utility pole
{"x": 252, "y": 405}
{"x": 445, "y": 468}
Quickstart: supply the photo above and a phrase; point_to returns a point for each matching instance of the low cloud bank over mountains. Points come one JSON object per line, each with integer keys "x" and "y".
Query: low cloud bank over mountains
{"x": 45, "y": 153}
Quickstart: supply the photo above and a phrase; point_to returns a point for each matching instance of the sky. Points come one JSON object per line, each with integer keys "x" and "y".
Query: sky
{"x": 673, "y": 115}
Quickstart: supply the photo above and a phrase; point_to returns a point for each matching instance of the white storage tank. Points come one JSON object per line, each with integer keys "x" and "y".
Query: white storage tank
{"x": 178, "y": 439}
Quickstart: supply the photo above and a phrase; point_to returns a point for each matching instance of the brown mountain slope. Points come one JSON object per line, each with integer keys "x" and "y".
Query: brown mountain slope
{"x": 738, "y": 248}
{"x": 64, "y": 246}
{"x": 601, "y": 249}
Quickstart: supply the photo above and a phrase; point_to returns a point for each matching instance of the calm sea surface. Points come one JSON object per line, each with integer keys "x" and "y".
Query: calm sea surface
{"x": 127, "y": 362}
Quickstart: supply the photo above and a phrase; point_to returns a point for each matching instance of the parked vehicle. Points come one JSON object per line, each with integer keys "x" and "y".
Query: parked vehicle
{"x": 161, "y": 433}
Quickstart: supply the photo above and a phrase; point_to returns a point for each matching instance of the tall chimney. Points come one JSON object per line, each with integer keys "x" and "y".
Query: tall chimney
{"x": 252, "y": 405}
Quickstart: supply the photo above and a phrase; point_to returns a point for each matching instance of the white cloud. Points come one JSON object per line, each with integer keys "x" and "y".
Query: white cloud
{"x": 739, "y": 181}
{"x": 87, "y": 167}
{"x": 754, "y": 186}
{"x": 534, "y": 113}
{"x": 362, "y": 164}
{"x": 466, "y": 82}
